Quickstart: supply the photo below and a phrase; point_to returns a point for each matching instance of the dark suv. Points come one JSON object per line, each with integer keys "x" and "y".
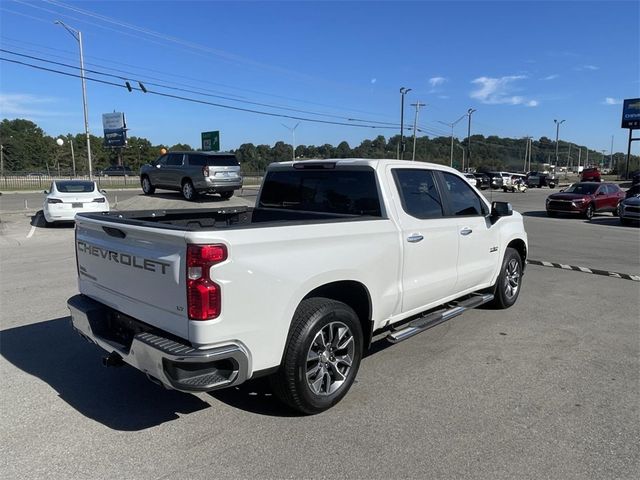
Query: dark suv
{"x": 193, "y": 173}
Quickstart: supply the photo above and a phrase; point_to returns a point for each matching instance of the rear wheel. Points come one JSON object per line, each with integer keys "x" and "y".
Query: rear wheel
{"x": 147, "y": 188}
{"x": 322, "y": 356}
{"x": 509, "y": 280}
{"x": 188, "y": 191}
{"x": 226, "y": 195}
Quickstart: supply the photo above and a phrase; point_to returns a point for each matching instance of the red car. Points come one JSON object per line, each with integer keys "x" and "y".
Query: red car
{"x": 586, "y": 198}
{"x": 591, "y": 175}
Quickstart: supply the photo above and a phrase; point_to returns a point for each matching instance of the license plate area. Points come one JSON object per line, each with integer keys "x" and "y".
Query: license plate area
{"x": 76, "y": 205}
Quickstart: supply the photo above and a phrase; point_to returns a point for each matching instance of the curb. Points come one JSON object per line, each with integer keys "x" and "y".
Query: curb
{"x": 593, "y": 271}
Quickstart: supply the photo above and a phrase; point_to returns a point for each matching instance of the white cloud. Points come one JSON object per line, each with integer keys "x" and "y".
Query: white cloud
{"x": 498, "y": 91}
{"x": 26, "y": 105}
{"x": 612, "y": 101}
{"x": 436, "y": 81}
{"x": 582, "y": 68}
{"x": 373, "y": 81}
{"x": 551, "y": 77}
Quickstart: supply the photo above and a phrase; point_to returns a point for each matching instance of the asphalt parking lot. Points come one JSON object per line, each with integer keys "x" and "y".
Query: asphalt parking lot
{"x": 547, "y": 389}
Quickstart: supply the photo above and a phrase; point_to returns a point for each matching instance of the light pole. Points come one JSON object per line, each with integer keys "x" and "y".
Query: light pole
{"x": 558, "y": 123}
{"x": 461, "y": 148}
{"x": 403, "y": 92}
{"x": 293, "y": 133}
{"x": 452, "y": 125}
{"x": 415, "y": 123}
{"x": 77, "y": 35}
{"x": 469, "y": 113}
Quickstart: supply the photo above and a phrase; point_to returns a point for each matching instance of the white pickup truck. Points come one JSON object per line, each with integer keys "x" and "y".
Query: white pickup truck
{"x": 334, "y": 252}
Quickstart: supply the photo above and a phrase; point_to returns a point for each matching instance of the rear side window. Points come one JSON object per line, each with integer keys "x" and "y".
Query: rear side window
{"x": 418, "y": 192}
{"x": 213, "y": 160}
{"x": 463, "y": 200}
{"x": 351, "y": 192}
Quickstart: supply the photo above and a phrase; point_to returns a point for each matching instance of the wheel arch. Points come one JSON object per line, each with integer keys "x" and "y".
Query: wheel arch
{"x": 354, "y": 294}
{"x": 519, "y": 246}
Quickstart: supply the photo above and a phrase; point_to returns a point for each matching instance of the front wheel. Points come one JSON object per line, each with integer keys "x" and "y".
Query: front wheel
{"x": 509, "y": 280}
{"x": 147, "y": 188}
{"x": 322, "y": 356}
{"x": 188, "y": 191}
{"x": 588, "y": 213}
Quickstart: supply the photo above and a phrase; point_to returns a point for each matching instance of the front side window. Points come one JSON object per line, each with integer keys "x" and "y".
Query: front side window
{"x": 162, "y": 160}
{"x": 418, "y": 192}
{"x": 175, "y": 159}
{"x": 463, "y": 200}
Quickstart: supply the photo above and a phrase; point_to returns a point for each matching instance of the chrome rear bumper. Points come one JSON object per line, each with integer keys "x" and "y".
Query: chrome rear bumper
{"x": 166, "y": 361}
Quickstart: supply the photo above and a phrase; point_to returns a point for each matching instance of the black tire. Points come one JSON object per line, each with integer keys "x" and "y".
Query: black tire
{"x": 616, "y": 212}
{"x": 552, "y": 214}
{"x": 509, "y": 282}
{"x": 226, "y": 195}
{"x": 296, "y": 381}
{"x": 147, "y": 187}
{"x": 625, "y": 221}
{"x": 188, "y": 191}
{"x": 588, "y": 213}
{"x": 552, "y": 185}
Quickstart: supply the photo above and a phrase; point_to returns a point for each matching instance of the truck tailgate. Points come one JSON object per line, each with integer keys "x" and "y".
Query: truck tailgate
{"x": 139, "y": 271}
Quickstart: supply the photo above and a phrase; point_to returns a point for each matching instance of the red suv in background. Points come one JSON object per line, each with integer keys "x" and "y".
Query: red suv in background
{"x": 586, "y": 198}
{"x": 590, "y": 175}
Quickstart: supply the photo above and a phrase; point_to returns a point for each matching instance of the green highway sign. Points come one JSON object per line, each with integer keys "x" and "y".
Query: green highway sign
{"x": 211, "y": 141}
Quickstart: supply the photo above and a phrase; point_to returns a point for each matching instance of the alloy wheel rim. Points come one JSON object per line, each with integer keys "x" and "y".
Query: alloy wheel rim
{"x": 512, "y": 278}
{"x": 330, "y": 358}
{"x": 186, "y": 189}
{"x": 145, "y": 184}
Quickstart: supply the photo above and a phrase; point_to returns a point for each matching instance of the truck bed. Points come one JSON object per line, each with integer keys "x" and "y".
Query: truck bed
{"x": 223, "y": 218}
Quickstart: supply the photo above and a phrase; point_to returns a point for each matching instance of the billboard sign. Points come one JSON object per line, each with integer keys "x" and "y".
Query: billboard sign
{"x": 115, "y": 130}
{"x": 210, "y": 141}
{"x": 631, "y": 113}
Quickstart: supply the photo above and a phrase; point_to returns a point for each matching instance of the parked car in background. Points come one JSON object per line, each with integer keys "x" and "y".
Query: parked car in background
{"x": 193, "y": 173}
{"x": 471, "y": 178}
{"x": 116, "y": 171}
{"x": 516, "y": 184}
{"x": 630, "y": 207}
{"x": 541, "y": 179}
{"x": 506, "y": 178}
{"x": 482, "y": 180}
{"x": 495, "y": 180}
{"x": 65, "y": 198}
{"x": 586, "y": 198}
{"x": 590, "y": 175}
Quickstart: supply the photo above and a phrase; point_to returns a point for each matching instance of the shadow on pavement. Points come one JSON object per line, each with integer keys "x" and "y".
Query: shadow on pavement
{"x": 255, "y": 396}
{"x": 119, "y": 398}
{"x": 202, "y": 198}
{"x": 536, "y": 213}
{"x": 609, "y": 221}
{"x": 37, "y": 220}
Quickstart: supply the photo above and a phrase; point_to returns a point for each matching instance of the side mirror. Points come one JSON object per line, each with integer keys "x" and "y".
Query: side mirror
{"x": 600, "y": 193}
{"x": 562, "y": 190}
{"x": 103, "y": 191}
{"x": 500, "y": 209}
{"x": 46, "y": 192}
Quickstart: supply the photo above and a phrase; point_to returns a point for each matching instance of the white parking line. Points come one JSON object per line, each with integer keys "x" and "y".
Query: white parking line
{"x": 31, "y": 232}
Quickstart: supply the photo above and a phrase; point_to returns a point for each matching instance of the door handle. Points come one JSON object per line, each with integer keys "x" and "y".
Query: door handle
{"x": 466, "y": 231}
{"x": 415, "y": 238}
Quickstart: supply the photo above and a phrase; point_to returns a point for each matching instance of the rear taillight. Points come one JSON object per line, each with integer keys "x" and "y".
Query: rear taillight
{"x": 204, "y": 297}
{"x": 54, "y": 200}
{"x": 99, "y": 200}
{"x": 205, "y": 170}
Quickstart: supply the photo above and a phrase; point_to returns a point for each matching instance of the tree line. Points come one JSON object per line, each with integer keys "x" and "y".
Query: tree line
{"x": 26, "y": 148}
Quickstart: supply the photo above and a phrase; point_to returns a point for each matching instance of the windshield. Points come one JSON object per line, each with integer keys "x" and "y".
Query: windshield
{"x": 75, "y": 187}
{"x": 582, "y": 188}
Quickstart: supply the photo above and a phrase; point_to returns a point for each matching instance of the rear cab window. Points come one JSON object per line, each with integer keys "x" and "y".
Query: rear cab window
{"x": 341, "y": 191}
{"x": 213, "y": 160}
{"x": 75, "y": 187}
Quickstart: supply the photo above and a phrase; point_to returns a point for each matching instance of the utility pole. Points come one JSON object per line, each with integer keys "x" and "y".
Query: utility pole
{"x": 603, "y": 157}
{"x": 558, "y": 123}
{"x": 451, "y": 125}
{"x": 579, "y": 155}
{"x": 566, "y": 172}
{"x": 461, "y": 148}
{"x": 1, "y": 160}
{"x": 77, "y": 35}
{"x": 611, "y": 154}
{"x": 293, "y": 133}
{"x": 403, "y": 92}
{"x": 530, "y": 149}
{"x": 73, "y": 155}
{"x": 586, "y": 162}
{"x": 527, "y": 152}
{"x": 415, "y": 123}
{"x": 469, "y": 113}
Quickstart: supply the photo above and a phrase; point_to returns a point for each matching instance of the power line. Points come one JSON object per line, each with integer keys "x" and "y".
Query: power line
{"x": 195, "y": 100}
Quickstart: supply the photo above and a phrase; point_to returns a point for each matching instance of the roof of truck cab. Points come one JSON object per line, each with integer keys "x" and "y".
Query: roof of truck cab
{"x": 369, "y": 162}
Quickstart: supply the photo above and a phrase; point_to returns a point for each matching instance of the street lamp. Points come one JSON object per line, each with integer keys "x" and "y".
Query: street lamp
{"x": 469, "y": 113}
{"x": 293, "y": 133}
{"x": 77, "y": 35}
{"x": 461, "y": 148}
{"x": 558, "y": 123}
{"x": 403, "y": 92}
{"x": 60, "y": 142}
{"x": 452, "y": 125}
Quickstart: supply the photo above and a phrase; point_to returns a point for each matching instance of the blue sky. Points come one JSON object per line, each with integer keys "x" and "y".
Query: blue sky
{"x": 520, "y": 64}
